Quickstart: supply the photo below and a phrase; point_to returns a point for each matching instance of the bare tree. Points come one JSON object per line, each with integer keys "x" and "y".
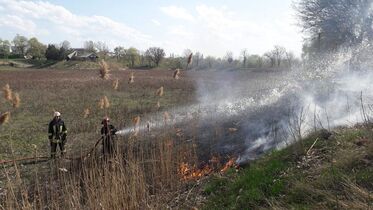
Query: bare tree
{"x": 334, "y": 23}
{"x": 244, "y": 57}
{"x": 229, "y": 57}
{"x": 197, "y": 57}
{"x": 278, "y": 53}
{"x": 155, "y": 55}
{"x": 89, "y": 46}
{"x": 289, "y": 56}
{"x": 259, "y": 62}
{"x": 186, "y": 53}
{"x": 271, "y": 57}
{"x": 65, "y": 45}
{"x": 119, "y": 52}
{"x": 102, "y": 48}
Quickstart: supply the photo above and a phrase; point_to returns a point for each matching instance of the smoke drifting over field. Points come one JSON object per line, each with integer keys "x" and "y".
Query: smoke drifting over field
{"x": 271, "y": 109}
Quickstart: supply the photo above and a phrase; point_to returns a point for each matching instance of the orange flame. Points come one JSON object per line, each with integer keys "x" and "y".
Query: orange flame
{"x": 228, "y": 165}
{"x": 189, "y": 172}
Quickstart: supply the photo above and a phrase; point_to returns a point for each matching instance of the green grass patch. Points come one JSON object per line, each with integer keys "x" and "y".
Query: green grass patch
{"x": 249, "y": 188}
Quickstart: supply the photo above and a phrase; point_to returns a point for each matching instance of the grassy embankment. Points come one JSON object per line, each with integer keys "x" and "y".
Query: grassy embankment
{"x": 314, "y": 173}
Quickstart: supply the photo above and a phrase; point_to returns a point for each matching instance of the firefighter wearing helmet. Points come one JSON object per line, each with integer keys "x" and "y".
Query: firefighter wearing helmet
{"x": 57, "y": 133}
{"x": 107, "y": 134}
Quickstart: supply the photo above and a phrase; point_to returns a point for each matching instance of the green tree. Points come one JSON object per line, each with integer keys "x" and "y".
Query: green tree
{"x": 52, "y": 52}
{"x": 4, "y": 48}
{"x": 132, "y": 55}
{"x": 36, "y": 49}
{"x": 20, "y": 45}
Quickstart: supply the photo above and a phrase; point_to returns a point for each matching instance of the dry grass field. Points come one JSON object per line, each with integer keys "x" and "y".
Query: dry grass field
{"x": 175, "y": 134}
{"x": 151, "y": 166}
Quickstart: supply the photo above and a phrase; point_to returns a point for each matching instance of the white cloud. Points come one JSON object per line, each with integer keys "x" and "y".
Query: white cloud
{"x": 156, "y": 22}
{"x": 210, "y": 30}
{"x": 13, "y": 21}
{"x": 217, "y": 30}
{"x": 177, "y": 12}
{"x": 180, "y": 31}
{"x": 30, "y": 16}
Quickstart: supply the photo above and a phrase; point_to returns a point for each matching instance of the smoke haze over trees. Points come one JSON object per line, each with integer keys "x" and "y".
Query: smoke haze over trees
{"x": 333, "y": 24}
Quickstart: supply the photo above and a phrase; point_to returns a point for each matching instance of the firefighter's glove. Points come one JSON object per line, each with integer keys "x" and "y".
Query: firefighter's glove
{"x": 63, "y": 138}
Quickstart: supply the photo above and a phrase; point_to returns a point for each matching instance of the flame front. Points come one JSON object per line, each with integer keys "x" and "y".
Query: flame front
{"x": 189, "y": 172}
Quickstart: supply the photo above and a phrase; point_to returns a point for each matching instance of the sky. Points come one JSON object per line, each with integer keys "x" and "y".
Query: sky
{"x": 211, "y": 27}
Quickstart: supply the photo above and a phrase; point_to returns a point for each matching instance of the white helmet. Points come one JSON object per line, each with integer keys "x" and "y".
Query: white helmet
{"x": 57, "y": 114}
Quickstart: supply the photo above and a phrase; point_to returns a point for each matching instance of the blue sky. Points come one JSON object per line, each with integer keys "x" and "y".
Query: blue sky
{"x": 212, "y": 27}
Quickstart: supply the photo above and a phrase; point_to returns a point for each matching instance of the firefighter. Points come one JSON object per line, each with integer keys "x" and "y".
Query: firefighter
{"x": 107, "y": 134}
{"x": 57, "y": 133}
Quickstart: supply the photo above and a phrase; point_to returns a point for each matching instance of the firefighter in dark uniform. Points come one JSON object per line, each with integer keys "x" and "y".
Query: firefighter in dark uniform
{"x": 57, "y": 133}
{"x": 108, "y": 134}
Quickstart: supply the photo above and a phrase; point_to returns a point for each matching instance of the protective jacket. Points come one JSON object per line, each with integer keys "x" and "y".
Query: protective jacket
{"x": 57, "y": 131}
{"x": 108, "y": 141}
{"x": 108, "y": 130}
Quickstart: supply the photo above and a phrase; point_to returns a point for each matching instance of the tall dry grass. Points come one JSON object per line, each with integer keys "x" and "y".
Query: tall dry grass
{"x": 190, "y": 58}
{"x": 104, "y": 103}
{"x": 159, "y": 92}
{"x": 4, "y": 118}
{"x": 104, "y": 69}
{"x": 16, "y": 101}
{"x": 158, "y": 105}
{"x": 131, "y": 79}
{"x": 166, "y": 117}
{"x": 8, "y": 94}
{"x": 141, "y": 176}
{"x": 136, "y": 124}
{"x": 116, "y": 84}
{"x": 144, "y": 176}
{"x": 176, "y": 74}
{"x": 86, "y": 113}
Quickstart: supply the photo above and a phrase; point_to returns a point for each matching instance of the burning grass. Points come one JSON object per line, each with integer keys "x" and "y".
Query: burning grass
{"x": 191, "y": 172}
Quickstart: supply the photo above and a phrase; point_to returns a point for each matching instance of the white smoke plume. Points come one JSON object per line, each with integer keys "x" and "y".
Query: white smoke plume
{"x": 276, "y": 108}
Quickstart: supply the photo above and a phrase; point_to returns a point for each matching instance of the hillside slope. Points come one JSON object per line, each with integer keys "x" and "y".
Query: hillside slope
{"x": 319, "y": 172}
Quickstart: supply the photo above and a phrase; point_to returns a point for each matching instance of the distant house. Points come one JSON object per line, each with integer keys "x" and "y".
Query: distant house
{"x": 80, "y": 54}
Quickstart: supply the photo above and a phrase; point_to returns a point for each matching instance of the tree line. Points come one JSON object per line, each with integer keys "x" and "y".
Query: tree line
{"x": 21, "y": 47}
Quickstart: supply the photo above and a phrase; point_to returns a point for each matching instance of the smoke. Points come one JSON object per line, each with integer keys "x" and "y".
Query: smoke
{"x": 272, "y": 109}
{"x": 285, "y": 106}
